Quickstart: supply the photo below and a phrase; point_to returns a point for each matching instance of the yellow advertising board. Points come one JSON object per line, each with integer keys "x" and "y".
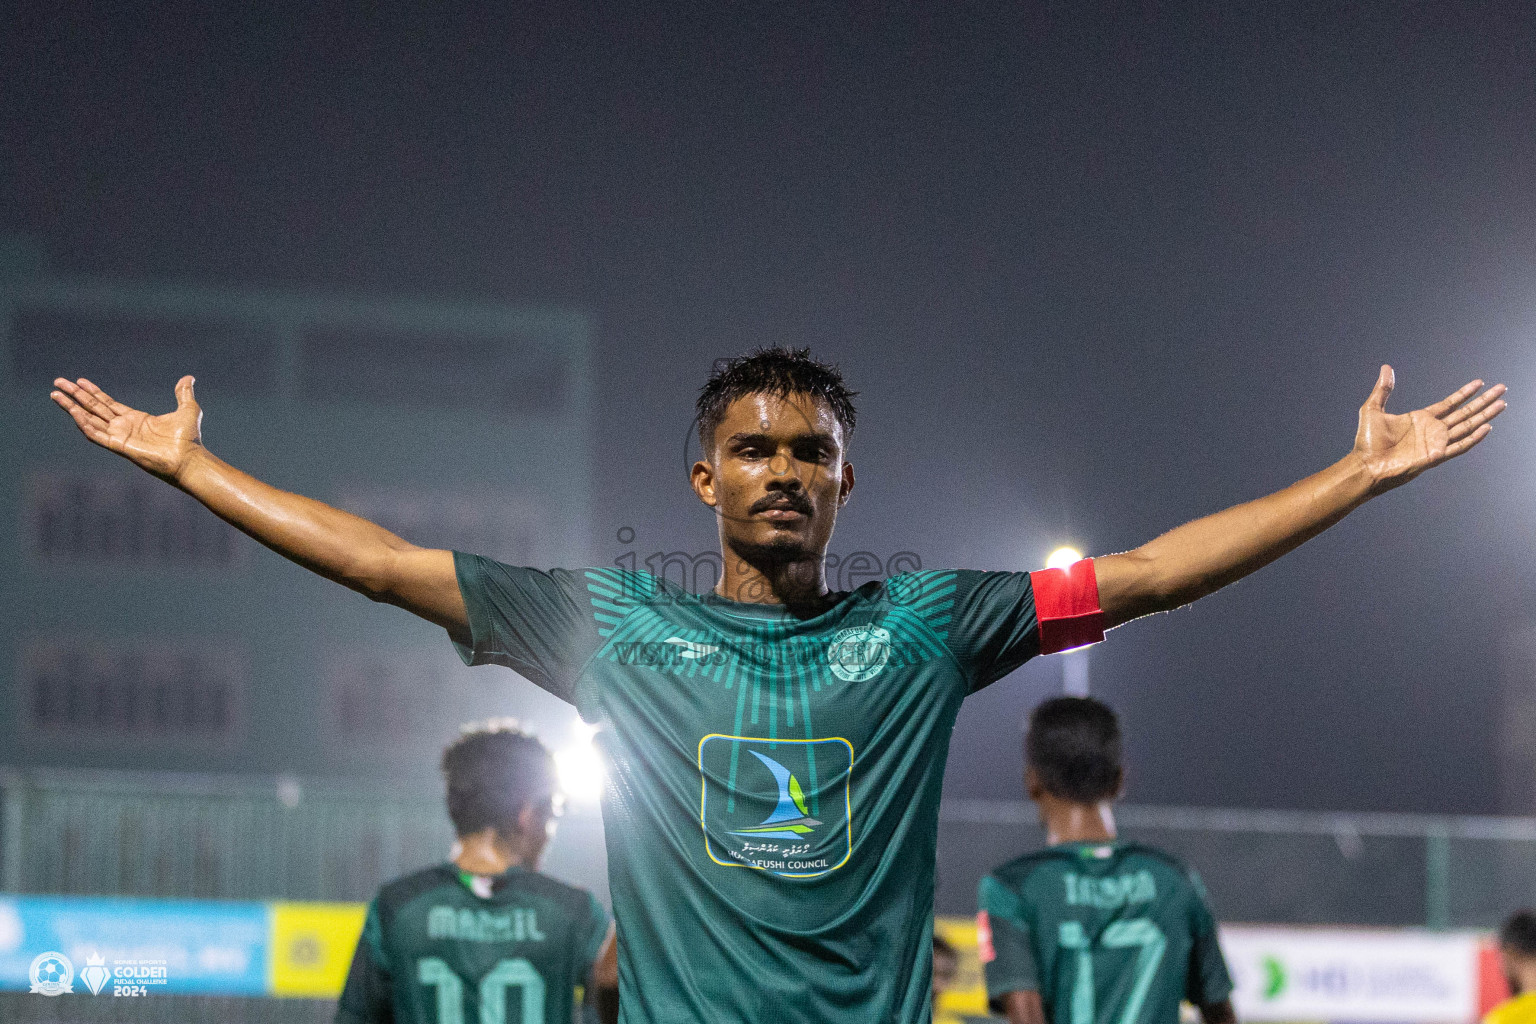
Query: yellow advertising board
{"x": 967, "y": 997}
{"x": 310, "y": 945}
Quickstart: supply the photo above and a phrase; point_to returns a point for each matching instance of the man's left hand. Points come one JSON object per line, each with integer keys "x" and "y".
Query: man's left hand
{"x": 1397, "y": 448}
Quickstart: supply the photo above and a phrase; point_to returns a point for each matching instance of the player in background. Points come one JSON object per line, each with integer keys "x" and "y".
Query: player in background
{"x": 946, "y": 964}
{"x": 755, "y": 875}
{"x": 1517, "y": 951}
{"x": 1092, "y": 930}
{"x": 485, "y": 938}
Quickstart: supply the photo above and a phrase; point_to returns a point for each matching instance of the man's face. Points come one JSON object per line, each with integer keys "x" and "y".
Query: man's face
{"x": 778, "y": 476}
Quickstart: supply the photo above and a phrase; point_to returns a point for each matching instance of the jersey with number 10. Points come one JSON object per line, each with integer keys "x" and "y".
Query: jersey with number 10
{"x": 1106, "y": 933}
{"x": 434, "y": 951}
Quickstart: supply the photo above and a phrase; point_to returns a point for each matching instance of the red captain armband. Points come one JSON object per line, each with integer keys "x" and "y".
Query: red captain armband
{"x": 1067, "y": 606}
{"x": 984, "y": 949}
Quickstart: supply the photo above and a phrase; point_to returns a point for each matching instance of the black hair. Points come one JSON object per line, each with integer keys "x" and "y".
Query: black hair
{"x": 494, "y": 770}
{"x": 775, "y": 371}
{"x": 1518, "y": 935}
{"x": 1073, "y": 744}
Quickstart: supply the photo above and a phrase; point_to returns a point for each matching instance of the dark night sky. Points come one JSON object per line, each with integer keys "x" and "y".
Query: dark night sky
{"x": 1096, "y": 270}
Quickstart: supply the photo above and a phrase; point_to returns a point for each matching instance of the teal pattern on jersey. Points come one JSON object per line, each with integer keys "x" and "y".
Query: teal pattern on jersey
{"x": 769, "y": 661}
{"x": 771, "y": 812}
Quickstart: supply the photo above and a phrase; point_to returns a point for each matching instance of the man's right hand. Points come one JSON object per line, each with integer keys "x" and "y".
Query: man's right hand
{"x": 160, "y": 444}
{"x": 338, "y": 545}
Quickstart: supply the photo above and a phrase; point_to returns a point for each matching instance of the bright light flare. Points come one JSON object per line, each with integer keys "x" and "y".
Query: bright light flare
{"x": 581, "y": 765}
{"x": 1063, "y": 557}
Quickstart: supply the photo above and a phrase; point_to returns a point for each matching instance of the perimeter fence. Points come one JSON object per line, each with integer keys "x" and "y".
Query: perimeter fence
{"x": 241, "y": 837}
{"x": 1288, "y": 867}
{"x": 208, "y": 837}
{"x": 248, "y": 838}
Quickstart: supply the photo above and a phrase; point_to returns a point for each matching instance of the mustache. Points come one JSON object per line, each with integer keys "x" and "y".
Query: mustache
{"x": 798, "y": 502}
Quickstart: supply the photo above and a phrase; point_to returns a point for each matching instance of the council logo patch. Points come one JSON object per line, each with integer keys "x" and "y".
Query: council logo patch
{"x": 781, "y": 806}
{"x": 859, "y": 652}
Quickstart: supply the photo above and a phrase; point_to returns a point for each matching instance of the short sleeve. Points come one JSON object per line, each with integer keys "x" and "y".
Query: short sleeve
{"x": 536, "y": 622}
{"x": 591, "y": 933}
{"x": 1004, "y": 943}
{"x": 992, "y": 628}
{"x": 367, "y": 997}
{"x": 993, "y": 622}
{"x": 1209, "y": 981}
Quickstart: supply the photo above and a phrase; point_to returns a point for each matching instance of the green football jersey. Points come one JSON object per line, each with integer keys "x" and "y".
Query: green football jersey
{"x": 436, "y": 951}
{"x": 1107, "y": 933}
{"x": 771, "y": 811}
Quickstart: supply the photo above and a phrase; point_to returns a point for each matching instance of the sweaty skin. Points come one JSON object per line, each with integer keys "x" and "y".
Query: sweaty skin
{"x": 777, "y": 476}
{"x": 790, "y": 452}
{"x": 1201, "y": 557}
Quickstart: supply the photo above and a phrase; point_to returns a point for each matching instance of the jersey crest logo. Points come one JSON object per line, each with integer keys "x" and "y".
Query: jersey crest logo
{"x": 859, "y": 652}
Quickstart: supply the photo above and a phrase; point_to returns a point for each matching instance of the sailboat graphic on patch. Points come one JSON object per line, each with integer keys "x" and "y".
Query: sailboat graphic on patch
{"x": 799, "y": 825}
{"x": 790, "y": 819}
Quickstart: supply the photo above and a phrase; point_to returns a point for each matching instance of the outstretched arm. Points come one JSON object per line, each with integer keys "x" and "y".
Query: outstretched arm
{"x": 1203, "y": 556}
{"x": 336, "y": 544}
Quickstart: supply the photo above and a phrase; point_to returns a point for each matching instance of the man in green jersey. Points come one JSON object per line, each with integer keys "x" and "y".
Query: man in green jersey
{"x": 484, "y": 938}
{"x": 775, "y": 749}
{"x": 1091, "y": 930}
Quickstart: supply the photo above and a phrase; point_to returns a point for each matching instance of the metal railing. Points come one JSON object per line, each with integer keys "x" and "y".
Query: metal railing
{"x": 74, "y": 832}
{"x": 1288, "y": 867}
{"x": 207, "y": 837}
{"x": 222, "y": 837}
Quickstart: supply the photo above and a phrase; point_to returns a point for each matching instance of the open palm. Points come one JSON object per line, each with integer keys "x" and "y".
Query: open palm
{"x": 1397, "y": 448}
{"x": 160, "y": 444}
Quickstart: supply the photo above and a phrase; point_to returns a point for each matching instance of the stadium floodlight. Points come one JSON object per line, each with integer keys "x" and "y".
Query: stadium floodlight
{"x": 1074, "y": 663}
{"x": 581, "y": 766}
{"x": 1063, "y": 557}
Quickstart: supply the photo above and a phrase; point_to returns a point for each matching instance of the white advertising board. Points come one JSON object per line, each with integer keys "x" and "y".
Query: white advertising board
{"x": 1357, "y": 975}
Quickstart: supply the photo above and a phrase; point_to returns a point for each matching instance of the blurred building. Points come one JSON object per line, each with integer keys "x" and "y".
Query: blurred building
{"x": 142, "y": 632}
{"x": 1516, "y": 737}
